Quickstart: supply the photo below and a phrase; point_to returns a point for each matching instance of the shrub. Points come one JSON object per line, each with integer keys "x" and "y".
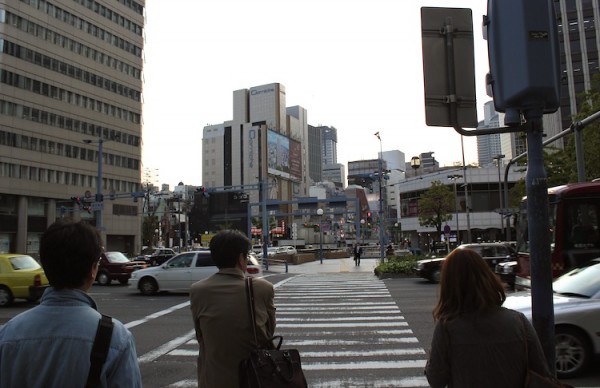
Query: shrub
{"x": 400, "y": 265}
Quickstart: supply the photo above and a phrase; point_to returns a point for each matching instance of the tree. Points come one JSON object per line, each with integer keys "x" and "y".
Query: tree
{"x": 436, "y": 206}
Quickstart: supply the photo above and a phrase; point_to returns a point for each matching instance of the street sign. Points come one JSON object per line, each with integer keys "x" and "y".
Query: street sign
{"x": 97, "y": 206}
{"x": 447, "y": 229}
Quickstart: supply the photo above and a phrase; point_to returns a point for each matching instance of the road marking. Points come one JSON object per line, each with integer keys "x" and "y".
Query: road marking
{"x": 365, "y": 365}
{"x": 166, "y": 348}
{"x": 157, "y": 314}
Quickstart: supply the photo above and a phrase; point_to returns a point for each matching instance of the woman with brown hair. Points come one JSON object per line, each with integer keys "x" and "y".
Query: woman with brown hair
{"x": 477, "y": 342}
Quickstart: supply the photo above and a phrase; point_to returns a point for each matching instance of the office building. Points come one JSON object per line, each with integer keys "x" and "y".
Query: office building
{"x": 71, "y": 96}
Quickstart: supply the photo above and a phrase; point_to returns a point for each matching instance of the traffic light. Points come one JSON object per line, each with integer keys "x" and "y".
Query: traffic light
{"x": 77, "y": 201}
{"x": 369, "y": 217}
{"x": 523, "y": 54}
{"x": 202, "y": 190}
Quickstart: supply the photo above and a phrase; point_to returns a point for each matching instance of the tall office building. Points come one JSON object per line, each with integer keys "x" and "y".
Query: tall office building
{"x": 579, "y": 32}
{"x": 328, "y": 144}
{"x": 71, "y": 87}
{"x": 265, "y": 142}
{"x": 315, "y": 158}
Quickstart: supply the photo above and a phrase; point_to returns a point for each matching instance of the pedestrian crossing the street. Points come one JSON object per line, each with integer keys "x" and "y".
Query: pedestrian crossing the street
{"x": 349, "y": 332}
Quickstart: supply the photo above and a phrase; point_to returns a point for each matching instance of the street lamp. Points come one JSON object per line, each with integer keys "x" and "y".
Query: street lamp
{"x": 454, "y": 177}
{"x": 381, "y": 217}
{"x": 415, "y": 163}
{"x": 498, "y": 158}
{"x": 99, "y": 204}
{"x": 320, "y": 214}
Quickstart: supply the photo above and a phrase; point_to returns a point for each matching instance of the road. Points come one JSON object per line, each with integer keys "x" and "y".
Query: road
{"x": 351, "y": 328}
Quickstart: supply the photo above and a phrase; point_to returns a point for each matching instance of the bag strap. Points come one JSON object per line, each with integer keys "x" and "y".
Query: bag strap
{"x": 251, "y": 308}
{"x": 99, "y": 350}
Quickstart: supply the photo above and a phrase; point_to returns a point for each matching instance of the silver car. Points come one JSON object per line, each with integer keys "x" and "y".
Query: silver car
{"x": 576, "y": 317}
{"x": 181, "y": 271}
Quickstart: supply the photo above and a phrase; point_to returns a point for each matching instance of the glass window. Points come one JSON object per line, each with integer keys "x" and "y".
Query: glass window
{"x": 205, "y": 260}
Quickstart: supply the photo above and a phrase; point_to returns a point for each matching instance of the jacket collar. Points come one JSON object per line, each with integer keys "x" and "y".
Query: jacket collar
{"x": 236, "y": 272}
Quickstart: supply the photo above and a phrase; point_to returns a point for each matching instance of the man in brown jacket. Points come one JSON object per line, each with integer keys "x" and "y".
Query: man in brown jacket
{"x": 221, "y": 316}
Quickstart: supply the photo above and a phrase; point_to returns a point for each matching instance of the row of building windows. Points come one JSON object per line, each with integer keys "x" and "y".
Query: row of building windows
{"x": 44, "y": 89}
{"x": 49, "y": 63}
{"x": 44, "y": 175}
{"x": 65, "y": 42}
{"x": 55, "y": 148}
{"x": 134, "y": 5}
{"x": 85, "y": 26}
{"x": 112, "y": 16}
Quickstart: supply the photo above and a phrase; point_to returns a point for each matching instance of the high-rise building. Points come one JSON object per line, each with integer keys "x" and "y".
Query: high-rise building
{"x": 265, "y": 142}
{"x": 328, "y": 145}
{"x": 315, "y": 158}
{"x": 578, "y": 30}
{"x": 71, "y": 91}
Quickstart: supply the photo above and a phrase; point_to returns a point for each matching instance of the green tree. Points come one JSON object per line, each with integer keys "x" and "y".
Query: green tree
{"x": 436, "y": 206}
{"x": 561, "y": 166}
{"x": 149, "y": 225}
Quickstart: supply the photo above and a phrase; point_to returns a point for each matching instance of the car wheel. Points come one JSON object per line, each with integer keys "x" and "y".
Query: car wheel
{"x": 148, "y": 286}
{"x": 573, "y": 352}
{"x": 435, "y": 275}
{"x": 6, "y": 297}
{"x": 103, "y": 279}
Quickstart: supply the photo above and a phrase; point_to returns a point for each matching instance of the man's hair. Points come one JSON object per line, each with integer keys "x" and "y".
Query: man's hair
{"x": 68, "y": 250}
{"x": 467, "y": 285}
{"x": 226, "y": 247}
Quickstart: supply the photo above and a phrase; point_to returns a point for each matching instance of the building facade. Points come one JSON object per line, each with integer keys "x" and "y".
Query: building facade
{"x": 70, "y": 113}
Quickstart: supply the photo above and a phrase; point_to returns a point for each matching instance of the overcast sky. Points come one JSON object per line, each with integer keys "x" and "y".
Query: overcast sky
{"x": 355, "y": 65}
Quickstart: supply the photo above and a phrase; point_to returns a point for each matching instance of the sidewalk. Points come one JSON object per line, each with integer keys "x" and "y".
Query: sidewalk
{"x": 329, "y": 265}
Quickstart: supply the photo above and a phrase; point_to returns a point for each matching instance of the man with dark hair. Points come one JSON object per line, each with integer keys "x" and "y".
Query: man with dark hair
{"x": 50, "y": 345}
{"x": 220, "y": 312}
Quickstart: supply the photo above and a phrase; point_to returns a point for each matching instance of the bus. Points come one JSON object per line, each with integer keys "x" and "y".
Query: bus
{"x": 574, "y": 211}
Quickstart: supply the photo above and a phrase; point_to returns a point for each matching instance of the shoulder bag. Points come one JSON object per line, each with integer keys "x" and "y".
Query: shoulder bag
{"x": 534, "y": 379}
{"x": 99, "y": 351}
{"x": 269, "y": 368}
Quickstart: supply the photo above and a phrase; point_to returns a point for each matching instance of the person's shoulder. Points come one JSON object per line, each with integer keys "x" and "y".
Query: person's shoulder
{"x": 260, "y": 283}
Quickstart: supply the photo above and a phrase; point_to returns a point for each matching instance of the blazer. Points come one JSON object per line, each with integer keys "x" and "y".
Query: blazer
{"x": 223, "y": 327}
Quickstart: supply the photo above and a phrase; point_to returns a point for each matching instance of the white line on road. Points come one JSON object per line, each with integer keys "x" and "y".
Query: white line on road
{"x": 365, "y": 365}
{"x": 166, "y": 348}
{"x": 157, "y": 314}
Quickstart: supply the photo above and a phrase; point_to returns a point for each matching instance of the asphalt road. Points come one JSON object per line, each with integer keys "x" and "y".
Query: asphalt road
{"x": 166, "y": 347}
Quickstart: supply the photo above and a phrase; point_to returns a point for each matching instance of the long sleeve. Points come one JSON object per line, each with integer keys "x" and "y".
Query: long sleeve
{"x": 437, "y": 369}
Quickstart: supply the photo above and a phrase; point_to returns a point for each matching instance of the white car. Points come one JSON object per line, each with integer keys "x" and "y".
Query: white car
{"x": 576, "y": 317}
{"x": 290, "y": 250}
{"x": 180, "y": 272}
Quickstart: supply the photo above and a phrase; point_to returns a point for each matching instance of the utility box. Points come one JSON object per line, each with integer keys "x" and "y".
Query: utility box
{"x": 524, "y": 57}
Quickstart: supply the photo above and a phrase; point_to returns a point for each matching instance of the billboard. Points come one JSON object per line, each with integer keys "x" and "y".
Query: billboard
{"x": 284, "y": 156}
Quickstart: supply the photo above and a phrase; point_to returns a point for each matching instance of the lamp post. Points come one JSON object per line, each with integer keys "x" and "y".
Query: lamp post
{"x": 381, "y": 216}
{"x": 415, "y": 163}
{"x": 320, "y": 214}
{"x": 454, "y": 177}
{"x": 498, "y": 158}
{"x": 99, "y": 204}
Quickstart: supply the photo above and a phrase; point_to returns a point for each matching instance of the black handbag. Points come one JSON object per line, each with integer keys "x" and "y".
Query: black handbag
{"x": 532, "y": 378}
{"x": 266, "y": 368}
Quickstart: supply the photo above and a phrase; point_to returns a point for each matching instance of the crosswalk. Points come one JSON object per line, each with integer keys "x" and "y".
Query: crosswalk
{"x": 349, "y": 332}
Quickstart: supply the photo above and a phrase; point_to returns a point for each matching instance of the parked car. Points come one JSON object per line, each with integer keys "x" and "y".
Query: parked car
{"x": 493, "y": 253}
{"x": 180, "y": 272}
{"x": 116, "y": 266}
{"x": 258, "y": 248}
{"x": 507, "y": 270}
{"x": 271, "y": 251}
{"x": 576, "y": 317}
{"x": 288, "y": 249}
{"x": 156, "y": 256}
{"x": 21, "y": 277}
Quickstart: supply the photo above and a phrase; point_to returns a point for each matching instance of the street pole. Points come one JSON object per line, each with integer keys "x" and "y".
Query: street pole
{"x": 320, "y": 214}
{"x": 99, "y": 199}
{"x": 498, "y": 159}
{"x": 381, "y": 216}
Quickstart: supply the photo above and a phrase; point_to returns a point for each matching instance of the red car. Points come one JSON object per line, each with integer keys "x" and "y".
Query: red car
{"x": 116, "y": 266}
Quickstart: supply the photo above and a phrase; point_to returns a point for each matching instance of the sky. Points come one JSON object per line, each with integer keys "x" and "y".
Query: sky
{"x": 355, "y": 65}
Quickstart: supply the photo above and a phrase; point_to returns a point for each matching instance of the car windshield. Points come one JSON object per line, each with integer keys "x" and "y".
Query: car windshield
{"x": 116, "y": 257}
{"x": 24, "y": 262}
{"x": 582, "y": 281}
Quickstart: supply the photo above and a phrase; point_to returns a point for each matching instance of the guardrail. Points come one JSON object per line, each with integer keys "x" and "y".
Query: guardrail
{"x": 275, "y": 261}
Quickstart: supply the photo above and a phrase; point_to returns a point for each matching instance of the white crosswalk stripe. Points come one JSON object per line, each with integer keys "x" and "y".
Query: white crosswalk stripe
{"x": 348, "y": 330}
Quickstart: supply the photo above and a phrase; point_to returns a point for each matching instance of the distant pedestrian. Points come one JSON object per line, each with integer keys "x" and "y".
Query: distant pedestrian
{"x": 477, "y": 342}
{"x": 50, "y": 345}
{"x": 357, "y": 253}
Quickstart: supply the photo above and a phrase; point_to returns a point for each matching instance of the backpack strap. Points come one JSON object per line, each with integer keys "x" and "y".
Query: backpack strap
{"x": 99, "y": 350}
